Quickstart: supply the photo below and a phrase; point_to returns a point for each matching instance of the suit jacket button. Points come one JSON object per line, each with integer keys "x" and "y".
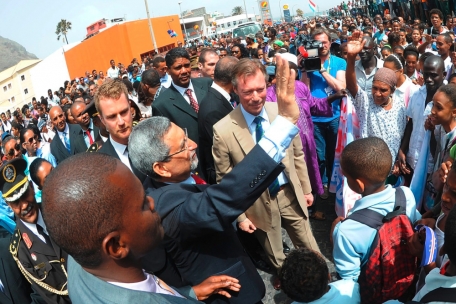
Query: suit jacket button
{"x": 255, "y": 181}
{"x": 252, "y": 184}
{"x": 263, "y": 172}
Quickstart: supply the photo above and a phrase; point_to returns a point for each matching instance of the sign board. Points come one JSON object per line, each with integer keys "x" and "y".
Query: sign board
{"x": 286, "y": 15}
{"x": 265, "y": 12}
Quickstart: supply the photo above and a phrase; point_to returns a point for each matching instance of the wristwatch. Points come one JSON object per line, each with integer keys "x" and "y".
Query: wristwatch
{"x": 322, "y": 71}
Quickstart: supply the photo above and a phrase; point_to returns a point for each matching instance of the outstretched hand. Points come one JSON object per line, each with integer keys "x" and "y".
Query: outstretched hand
{"x": 355, "y": 43}
{"x": 216, "y": 285}
{"x": 285, "y": 87}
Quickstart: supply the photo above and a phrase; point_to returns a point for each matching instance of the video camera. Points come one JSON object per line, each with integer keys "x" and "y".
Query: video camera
{"x": 308, "y": 48}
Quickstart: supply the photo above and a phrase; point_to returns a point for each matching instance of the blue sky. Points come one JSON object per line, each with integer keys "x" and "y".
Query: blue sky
{"x": 33, "y": 23}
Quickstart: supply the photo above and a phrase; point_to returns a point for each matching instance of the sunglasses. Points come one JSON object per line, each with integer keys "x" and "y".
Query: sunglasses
{"x": 31, "y": 139}
{"x": 17, "y": 147}
{"x": 235, "y": 52}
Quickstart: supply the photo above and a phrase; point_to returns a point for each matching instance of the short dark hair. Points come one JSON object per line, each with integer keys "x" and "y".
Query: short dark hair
{"x": 34, "y": 166}
{"x": 204, "y": 53}
{"x": 304, "y": 275}
{"x": 450, "y": 236}
{"x": 223, "y": 72}
{"x": 367, "y": 158}
{"x": 81, "y": 212}
{"x": 320, "y": 31}
{"x": 450, "y": 92}
{"x": 16, "y": 125}
{"x": 447, "y": 38}
{"x": 151, "y": 78}
{"x": 436, "y": 11}
{"x": 157, "y": 60}
{"x": 175, "y": 54}
{"x": 451, "y": 77}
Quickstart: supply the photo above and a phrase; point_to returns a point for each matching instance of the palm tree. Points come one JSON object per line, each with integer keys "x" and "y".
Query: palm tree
{"x": 62, "y": 29}
{"x": 237, "y": 10}
{"x": 299, "y": 12}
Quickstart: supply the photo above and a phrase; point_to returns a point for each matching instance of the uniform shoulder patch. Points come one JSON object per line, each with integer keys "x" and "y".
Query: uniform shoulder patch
{"x": 14, "y": 243}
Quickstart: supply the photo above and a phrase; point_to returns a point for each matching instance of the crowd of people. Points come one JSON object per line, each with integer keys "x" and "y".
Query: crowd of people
{"x": 169, "y": 180}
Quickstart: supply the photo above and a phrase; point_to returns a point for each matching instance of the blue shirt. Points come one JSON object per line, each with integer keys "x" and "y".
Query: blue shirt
{"x": 353, "y": 240}
{"x": 379, "y": 36}
{"x": 6, "y": 216}
{"x": 342, "y": 291}
{"x": 319, "y": 87}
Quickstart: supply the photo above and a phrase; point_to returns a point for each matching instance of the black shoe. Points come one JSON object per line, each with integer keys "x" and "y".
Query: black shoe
{"x": 286, "y": 249}
{"x": 261, "y": 265}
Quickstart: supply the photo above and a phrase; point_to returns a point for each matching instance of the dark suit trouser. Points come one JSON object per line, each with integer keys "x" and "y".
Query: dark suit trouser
{"x": 286, "y": 213}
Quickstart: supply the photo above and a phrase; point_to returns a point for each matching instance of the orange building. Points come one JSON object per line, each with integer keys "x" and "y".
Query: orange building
{"x": 122, "y": 42}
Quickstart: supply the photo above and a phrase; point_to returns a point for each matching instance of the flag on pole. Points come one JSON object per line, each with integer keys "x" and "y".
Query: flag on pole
{"x": 312, "y": 6}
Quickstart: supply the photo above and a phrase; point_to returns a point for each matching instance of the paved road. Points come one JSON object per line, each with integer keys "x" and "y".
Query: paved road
{"x": 321, "y": 232}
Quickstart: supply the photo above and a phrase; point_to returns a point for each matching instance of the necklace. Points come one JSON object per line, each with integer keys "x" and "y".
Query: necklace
{"x": 388, "y": 103}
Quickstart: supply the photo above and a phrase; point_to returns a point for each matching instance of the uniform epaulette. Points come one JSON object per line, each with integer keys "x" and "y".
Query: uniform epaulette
{"x": 14, "y": 243}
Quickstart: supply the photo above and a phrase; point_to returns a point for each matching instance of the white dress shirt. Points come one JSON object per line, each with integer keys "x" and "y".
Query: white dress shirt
{"x": 223, "y": 92}
{"x": 182, "y": 90}
{"x": 122, "y": 152}
{"x": 266, "y": 125}
{"x": 166, "y": 81}
{"x": 32, "y": 227}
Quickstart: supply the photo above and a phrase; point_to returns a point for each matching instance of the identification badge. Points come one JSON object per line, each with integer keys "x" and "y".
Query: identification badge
{"x": 33, "y": 256}
{"x": 27, "y": 240}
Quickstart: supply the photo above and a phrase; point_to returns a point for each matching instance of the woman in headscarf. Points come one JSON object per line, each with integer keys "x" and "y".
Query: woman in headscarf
{"x": 381, "y": 114}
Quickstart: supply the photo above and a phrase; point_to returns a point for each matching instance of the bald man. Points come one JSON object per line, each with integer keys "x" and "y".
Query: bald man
{"x": 417, "y": 111}
{"x": 66, "y": 142}
{"x": 366, "y": 68}
{"x": 216, "y": 105}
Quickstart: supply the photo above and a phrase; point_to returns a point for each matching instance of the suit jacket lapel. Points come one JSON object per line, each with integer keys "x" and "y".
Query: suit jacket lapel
{"x": 241, "y": 131}
{"x": 199, "y": 91}
{"x": 60, "y": 145}
{"x": 180, "y": 102}
{"x": 226, "y": 103}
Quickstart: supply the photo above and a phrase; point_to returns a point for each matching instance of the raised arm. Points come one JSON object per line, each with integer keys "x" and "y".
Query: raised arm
{"x": 354, "y": 47}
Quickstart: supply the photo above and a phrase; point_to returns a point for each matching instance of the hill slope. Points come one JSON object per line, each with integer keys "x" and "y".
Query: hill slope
{"x": 12, "y": 52}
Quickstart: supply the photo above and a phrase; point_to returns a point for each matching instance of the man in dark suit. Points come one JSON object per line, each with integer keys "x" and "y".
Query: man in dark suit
{"x": 180, "y": 102}
{"x": 65, "y": 141}
{"x": 40, "y": 260}
{"x": 89, "y": 133}
{"x": 197, "y": 219}
{"x": 111, "y": 102}
{"x": 214, "y": 106}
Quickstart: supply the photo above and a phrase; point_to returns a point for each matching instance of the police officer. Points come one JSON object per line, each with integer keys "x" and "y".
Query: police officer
{"x": 39, "y": 259}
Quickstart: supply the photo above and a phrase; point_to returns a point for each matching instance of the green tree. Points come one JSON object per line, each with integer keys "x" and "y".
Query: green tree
{"x": 299, "y": 12}
{"x": 237, "y": 10}
{"x": 62, "y": 29}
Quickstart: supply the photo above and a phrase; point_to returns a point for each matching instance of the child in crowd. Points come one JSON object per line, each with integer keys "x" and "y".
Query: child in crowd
{"x": 366, "y": 168}
{"x": 305, "y": 277}
{"x": 386, "y": 51}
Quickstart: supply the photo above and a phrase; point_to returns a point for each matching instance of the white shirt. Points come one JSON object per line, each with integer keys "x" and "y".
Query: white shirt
{"x": 150, "y": 284}
{"x": 222, "y": 91}
{"x": 418, "y": 113}
{"x": 48, "y": 136}
{"x": 146, "y": 111}
{"x": 166, "y": 81}
{"x": 32, "y": 227}
{"x": 406, "y": 90}
{"x": 365, "y": 81}
{"x": 113, "y": 73}
{"x": 121, "y": 152}
{"x": 182, "y": 90}
{"x": 265, "y": 124}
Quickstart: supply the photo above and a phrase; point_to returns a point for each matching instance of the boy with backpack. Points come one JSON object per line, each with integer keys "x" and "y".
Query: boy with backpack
{"x": 370, "y": 244}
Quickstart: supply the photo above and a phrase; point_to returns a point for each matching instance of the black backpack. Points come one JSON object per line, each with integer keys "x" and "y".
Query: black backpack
{"x": 438, "y": 295}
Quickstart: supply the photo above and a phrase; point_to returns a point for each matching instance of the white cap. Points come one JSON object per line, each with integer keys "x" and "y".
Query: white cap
{"x": 289, "y": 57}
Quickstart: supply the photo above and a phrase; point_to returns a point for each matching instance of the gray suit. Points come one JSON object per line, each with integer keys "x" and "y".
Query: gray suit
{"x": 86, "y": 288}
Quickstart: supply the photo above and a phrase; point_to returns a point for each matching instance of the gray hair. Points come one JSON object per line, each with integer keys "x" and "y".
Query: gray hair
{"x": 6, "y": 141}
{"x": 146, "y": 145}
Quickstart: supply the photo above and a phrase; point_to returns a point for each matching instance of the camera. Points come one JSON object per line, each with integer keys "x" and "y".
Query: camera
{"x": 308, "y": 48}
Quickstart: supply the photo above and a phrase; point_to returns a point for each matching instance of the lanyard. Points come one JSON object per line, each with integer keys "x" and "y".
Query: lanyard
{"x": 328, "y": 69}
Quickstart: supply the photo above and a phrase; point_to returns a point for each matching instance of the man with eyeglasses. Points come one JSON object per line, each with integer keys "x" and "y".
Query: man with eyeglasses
{"x": 367, "y": 66}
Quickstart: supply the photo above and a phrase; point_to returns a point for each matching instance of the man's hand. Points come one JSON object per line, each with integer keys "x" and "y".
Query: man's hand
{"x": 309, "y": 199}
{"x": 285, "y": 87}
{"x": 444, "y": 170}
{"x": 216, "y": 285}
{"x": 355, "y": 44}
{"x": 428, "y": 125}
{"x": 428, "y": 38}
{"x": 400, "y": 166}
{"x": 247, "y": 226}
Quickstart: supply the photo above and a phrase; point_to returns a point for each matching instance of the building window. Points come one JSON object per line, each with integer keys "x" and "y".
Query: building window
{"x": 5, "y": 89}
{"x": 22, "y": 77}
{"x": 9, "y": 85}
{"x": 26, "y": 91}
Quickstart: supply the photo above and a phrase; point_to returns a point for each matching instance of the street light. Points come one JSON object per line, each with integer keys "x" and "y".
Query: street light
{"x": 183, "y": 21}
{"x": 151, "y": 30}
{"x": 280, "y": 10}
{"x": 246, "y": 16}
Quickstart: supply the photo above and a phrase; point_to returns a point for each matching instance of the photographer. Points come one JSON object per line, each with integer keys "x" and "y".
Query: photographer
{"x": 329, "y": 79}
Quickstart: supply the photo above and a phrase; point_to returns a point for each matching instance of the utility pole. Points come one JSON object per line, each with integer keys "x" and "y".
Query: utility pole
{"x": 183, "y": 22}
{"x": 246, "y": 16}
{"x": 151, "y": 30}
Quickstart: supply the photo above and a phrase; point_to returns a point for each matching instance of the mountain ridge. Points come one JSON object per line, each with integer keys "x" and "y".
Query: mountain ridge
{"x": 12, "y": 52}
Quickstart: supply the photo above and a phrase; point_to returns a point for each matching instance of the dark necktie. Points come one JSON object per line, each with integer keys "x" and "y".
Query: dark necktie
{"x": 259, "y": 132}
{"x": 233, "y": 100}
{"x": 193, "y": 102}
{"x": 89, "y": 135}
{"x": 43, "y": 234}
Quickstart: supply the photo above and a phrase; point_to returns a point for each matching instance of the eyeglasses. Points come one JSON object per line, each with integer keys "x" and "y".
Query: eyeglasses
{"x": 235, "y": 52}
{"x": 17, "y": 147}
{"x": 90, "y": 76}
{"x": 31, "y": 139}
{"x": 183, "y": 149}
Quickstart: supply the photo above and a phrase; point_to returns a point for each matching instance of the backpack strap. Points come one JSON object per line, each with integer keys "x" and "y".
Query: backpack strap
{"x": 440, "y": 294}
{"x": 399, "y": 205}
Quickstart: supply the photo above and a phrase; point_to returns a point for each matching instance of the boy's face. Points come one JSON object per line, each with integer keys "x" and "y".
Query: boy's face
{"x": 449, "y": 193}
{"x": 43, "y": 171}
